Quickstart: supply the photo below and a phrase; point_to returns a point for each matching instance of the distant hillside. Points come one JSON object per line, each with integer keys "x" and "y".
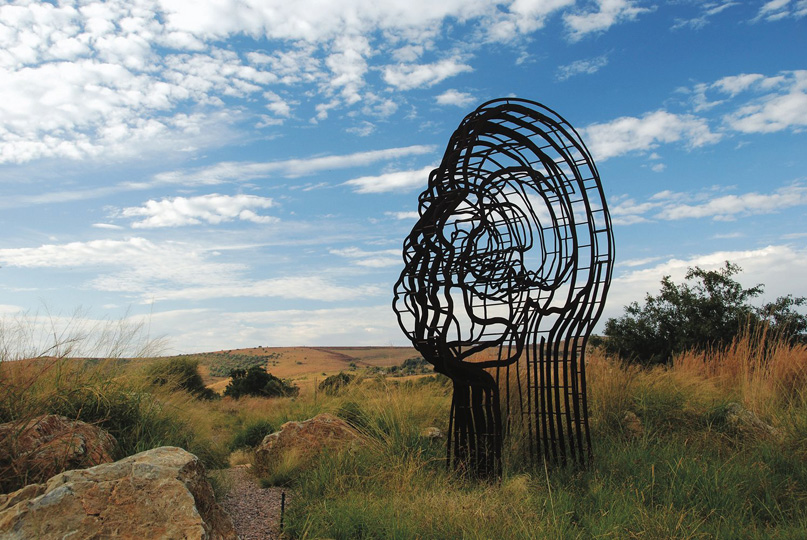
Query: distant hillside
{"x": 302, "y": 364}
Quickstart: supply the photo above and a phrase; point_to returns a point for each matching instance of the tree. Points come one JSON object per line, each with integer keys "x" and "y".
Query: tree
{"x": 708, "y": 310}
{"x": 255, "y": 381}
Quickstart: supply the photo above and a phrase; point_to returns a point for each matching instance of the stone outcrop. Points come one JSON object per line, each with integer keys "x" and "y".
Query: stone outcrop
{"x": 160, "y": 493}
{"x": 632, "y": 424}
{"x": 306, "y": 439}
{"x": 47, "y": 445}
{"x": 741, "y": 420}
{"x": 432, "y": 433}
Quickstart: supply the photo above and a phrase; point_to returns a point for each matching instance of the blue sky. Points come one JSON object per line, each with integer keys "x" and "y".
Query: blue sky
{"x": 243, "y": 172}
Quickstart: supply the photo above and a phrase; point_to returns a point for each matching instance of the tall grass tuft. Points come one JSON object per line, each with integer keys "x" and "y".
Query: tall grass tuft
{"x": 97, "y": 391}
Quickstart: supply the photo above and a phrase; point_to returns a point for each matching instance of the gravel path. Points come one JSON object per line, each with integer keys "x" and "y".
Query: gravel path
{"x": 255, "y": 511}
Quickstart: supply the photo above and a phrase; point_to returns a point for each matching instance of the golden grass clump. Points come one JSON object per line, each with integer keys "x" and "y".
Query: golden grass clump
{"x": 764, "y": 374}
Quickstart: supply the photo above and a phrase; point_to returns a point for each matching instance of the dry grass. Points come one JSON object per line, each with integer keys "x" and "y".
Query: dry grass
{"x": 763, "y": 378}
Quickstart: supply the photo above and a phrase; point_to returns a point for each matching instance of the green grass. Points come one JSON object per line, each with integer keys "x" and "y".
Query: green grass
{"x": 687, "y": 475}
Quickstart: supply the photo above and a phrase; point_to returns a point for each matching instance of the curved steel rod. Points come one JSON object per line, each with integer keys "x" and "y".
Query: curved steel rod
{"x": 506, "y": 272}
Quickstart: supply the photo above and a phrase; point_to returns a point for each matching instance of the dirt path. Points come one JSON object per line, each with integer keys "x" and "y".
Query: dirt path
{"x": 255, "y": 511}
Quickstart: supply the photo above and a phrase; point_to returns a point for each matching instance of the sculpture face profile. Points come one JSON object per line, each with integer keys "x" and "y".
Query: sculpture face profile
{"x": 506, "y": 272}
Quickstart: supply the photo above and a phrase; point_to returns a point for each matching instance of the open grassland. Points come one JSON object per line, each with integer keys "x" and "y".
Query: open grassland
{"x": 306, "y": 366}
{"x": 688, "y": 473}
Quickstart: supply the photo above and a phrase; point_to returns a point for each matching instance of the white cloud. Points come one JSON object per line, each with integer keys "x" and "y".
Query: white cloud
{"x": 631, "y": 134}
{"x": 771, "y": 103}
{"x": 213, "y": 208}
{"x": 199, "y": 330}
{"x": 709, "y": 9}
{"x": 403, "y": 215}
{"x": 394, "y": 181}
{"x": 289, "y": 288}
{"x": 230, "y": 171}
{"x": 174, "y": 271}
{"x": 523, "y": 17}
{"x": 609, "y": 13}
{"x": 775, "y": 111}
{"x": 95, "y": 79}
{"x": 780, "y": 268}
{"x": 671, "y": 206}
{"x": 371, "y": 259}
{"x": 409, "y": 76}
{"x": 582, "y": 67}
{"x": 775, "y": 10}
{"x": 729, "y": 206}
{"x": 456, "y": 98}
{"x": 364, "y": 129}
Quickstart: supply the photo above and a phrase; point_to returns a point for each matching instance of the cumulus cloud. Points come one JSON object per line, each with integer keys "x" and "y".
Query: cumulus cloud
{"x": 757, "y": 103}
{"x": 454, "y": 97}
{"x": 779, "y": 267}
{"x": 632, "y": 134}
{"x": 213, "y": 208}
{"x": 409, "y": 76}
{"x": 110, "y": 79}
{"x": 394, "y": 181}
{"x": 784, "y": 108}
{"x": 608, "y": 13}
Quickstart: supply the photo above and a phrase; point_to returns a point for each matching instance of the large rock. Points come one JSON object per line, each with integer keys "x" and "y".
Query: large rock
{"x": 47, "y": 445}
{"x": 305, "y": 439}
{"x": 160, "y": 493}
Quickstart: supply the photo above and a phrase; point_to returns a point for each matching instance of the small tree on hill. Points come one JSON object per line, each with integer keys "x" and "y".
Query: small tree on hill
{"x": 255, "y": 381}
{"x": 708, "y": 310}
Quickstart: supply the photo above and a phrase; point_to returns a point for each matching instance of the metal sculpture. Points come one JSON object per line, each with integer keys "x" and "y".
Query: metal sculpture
{"x": 506, "y": 272}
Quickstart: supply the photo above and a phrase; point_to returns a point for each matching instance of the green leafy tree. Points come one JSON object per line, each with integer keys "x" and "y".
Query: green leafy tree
{"x": 708, "y": 310}
{"x": 255, "y": 381}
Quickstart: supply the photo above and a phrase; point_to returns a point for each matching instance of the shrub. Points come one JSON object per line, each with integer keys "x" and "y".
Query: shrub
{"x": 707, "y": 314}
{"x": 333, "y": 384}
{"x": 180, "y": 373}
{"x": 256, "y": 381}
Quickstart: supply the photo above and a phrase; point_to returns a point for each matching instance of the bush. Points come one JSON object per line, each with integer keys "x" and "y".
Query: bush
{"x": 180, "y": 373}
{"x": 256, "y": 381}
{"x": 251, "y": 435}
{"x": 333, "y": 384}
{"x": 707, "y": 314}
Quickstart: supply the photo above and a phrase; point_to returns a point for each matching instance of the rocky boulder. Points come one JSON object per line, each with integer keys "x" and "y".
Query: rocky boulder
{"x": 743, "y": 421}
{"x": 632, "y": 424}
{"x": 305, "y": 439}
{"x": 47, "y": 445}
{"x": 432, "y": 433}
{"x": 160, "y": 493}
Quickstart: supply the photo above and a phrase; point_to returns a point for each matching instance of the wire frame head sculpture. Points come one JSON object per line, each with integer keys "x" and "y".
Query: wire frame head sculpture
{"x": 506, "y": 273}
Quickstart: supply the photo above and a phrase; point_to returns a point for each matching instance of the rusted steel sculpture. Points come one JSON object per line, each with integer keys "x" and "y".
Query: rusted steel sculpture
{"x": 506, "y": 273}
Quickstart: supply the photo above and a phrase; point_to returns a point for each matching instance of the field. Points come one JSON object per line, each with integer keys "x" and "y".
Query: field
{"x": 685, "y": 471}
{"x": 306, "y": 366}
